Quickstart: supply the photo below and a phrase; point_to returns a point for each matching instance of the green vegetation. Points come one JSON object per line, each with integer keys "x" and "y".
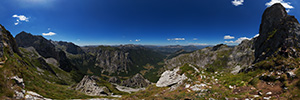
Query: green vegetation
{"x": 101, "y": 82}
{"x": 254, "y": 81}
{"x": 147, "y": 94}
{"x": 240, "y": 79}
{"x": 188, "y": 71}
{"x": 221, "y": 62}
{"x": 37, "y": 78}
{"x": 109, "y": 48}
{"x": 141, "y": 57}
{"x": 4, "y": 89}
{"x": 271, "y": 34}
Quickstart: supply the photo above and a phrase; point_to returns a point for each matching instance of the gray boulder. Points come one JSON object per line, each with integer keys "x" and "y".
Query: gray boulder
{"x": 170, "y": 78}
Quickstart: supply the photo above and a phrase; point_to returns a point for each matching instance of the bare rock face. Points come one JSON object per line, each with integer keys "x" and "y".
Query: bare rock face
{"x": 114, "y": 80}
{"x": 89, "y": 86}
{"x": 7, "y": 41}
{"x": 113, "y": 61}
{"x": 170, "y": 78}
{"x": 278, "y": 31}
{"x": 136, "y": 81}
{"x": 242, "y": 56}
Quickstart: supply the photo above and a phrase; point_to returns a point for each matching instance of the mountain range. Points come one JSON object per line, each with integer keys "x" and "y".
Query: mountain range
{"x": 264, "y": 67}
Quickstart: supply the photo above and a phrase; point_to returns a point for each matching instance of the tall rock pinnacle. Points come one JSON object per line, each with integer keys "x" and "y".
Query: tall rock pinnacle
{"x": 278, "y": 31}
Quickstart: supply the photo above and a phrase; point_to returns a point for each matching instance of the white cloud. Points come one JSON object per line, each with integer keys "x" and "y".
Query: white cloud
{"x": 20, "y": 18}
{"x": 49, "y": 34}
{"x": 239, "y": 40}
{"x": 195, "y": 38}
{"x": 177, "y": 39}
{"x": 137, "y": 40}
{"x": 284, "y": 4}
{"x": 228, "y": 37}
{"x": 237, "y": 2}
{"x": 16, "y": 23}
{"x": 198, "y": 44}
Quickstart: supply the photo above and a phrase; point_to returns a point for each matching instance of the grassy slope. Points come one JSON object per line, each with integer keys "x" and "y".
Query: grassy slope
{"x": 247, "y": 83}
{"x": 43, "y": 82}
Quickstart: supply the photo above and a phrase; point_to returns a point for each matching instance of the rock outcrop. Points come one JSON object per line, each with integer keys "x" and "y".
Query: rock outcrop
{"x": 113, "y": 61}
{"x": 7, "y": 42}
{"x": 114, "y": 79}
{"x": 136, "y": 81}
{"x": 278, "y": 32}
{"x": 128, "y": 89}
{"x": 89, "y": 86}
{"x": 170, "y": 78}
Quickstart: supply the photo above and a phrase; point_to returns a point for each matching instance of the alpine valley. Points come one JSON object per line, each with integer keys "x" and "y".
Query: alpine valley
{"x": 264, "y": 67}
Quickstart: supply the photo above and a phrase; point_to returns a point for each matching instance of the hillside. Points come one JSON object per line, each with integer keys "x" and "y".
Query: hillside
{"x": 263, "y": 67}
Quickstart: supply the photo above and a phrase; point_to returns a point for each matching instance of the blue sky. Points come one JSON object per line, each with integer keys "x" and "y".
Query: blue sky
{"x": 149, "y": 22}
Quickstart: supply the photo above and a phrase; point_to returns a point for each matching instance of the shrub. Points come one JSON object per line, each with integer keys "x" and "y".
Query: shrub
{"x": 254, "y": 81}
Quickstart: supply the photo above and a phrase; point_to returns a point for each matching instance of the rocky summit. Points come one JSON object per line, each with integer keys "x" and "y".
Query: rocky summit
{"x": 263, "y": 67}
{"x": 278, "y": 32}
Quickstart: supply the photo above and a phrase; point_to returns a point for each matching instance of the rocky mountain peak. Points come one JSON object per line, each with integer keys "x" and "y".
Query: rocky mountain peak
{"x": 44, "y": 47}
{"x": 272, "y": 17}
{"x": 278, "y": 31}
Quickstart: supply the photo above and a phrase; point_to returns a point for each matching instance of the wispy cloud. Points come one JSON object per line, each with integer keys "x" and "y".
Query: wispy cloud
{"x": 237, "y": 2}
{"x": 239, "y": 40}
{"x": 195, "y": 39}
{"x": 176, "y": 39}
{"x": 49, "y": 34}
{"x": 228, "y": 37}
{"x": 20, "y": 18}
{"x": 137, "y": 40}
{"x": 198, "y": 44}
{"x": 286, "y": 5}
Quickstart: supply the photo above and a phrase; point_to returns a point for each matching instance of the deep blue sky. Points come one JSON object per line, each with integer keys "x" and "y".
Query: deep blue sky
{"x": 157, "y": 22}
